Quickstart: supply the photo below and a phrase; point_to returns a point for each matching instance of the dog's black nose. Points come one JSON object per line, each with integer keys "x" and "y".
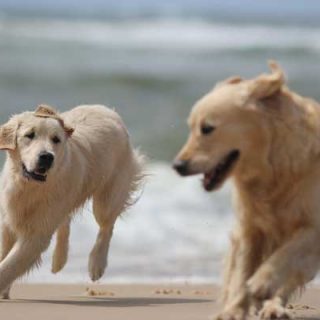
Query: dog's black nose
{"x": 181, "y": 166}
{"x": 45, "y": 160}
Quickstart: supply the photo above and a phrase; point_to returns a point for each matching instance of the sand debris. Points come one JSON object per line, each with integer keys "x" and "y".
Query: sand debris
{"x": 95, "y": 293}
{"x": 201, "y": 292}
{"x": 167, "y": 291}
{"x": 299, "y": 307}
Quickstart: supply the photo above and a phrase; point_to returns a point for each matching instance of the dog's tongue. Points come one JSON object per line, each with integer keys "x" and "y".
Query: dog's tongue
{"x": 40, "y": 171}
{"x": 207, "y": 179}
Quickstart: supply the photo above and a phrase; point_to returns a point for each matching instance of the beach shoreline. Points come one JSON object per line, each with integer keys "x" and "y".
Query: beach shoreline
{"x": 121, "y": 302}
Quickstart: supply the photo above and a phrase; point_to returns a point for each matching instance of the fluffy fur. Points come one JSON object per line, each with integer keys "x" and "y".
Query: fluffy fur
{"x": 93, "y": 158}
{"x": 267, "y": 138}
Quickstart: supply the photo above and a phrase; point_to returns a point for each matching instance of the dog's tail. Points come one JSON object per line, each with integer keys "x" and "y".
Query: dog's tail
{"x": 138, "y": 177}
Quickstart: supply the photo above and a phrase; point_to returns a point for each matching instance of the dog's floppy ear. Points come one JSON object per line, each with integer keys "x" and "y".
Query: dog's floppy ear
{"x": 46, "y": 111}
{"x": 8, "y": 135}
{"x": 68, "y": 130}
{"x": 267, "y": 84}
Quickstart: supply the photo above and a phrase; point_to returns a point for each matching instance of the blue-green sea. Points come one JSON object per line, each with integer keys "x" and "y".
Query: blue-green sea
{"x": 151, "y": 61}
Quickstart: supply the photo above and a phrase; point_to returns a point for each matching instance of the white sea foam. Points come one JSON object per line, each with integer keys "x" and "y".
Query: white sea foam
{"x": 164, "y": 34}
{"x": 176, "y": 232}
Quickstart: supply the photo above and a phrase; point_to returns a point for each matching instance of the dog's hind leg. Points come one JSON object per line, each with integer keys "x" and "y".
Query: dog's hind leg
{"x": 105, "y": 215}
{"x": 7, "y": 241}
{"x": 60, "y": 255}
{"x": 108, "y": 203}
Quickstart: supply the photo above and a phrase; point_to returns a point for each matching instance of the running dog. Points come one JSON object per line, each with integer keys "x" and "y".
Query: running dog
{"x": 267, "y": 139}
{"x": 55, "y": 163}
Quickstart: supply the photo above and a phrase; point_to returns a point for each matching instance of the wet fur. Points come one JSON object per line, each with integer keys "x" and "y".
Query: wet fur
{"x": 95, "y": 161}
{"x": 274, "y": 247}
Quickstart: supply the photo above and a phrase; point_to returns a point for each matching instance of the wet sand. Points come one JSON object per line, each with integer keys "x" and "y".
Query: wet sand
{"x": 122, "y": 302}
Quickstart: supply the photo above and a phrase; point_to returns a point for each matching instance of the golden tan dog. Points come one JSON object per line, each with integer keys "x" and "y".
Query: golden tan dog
{"x": 267, "y": 138}
{"x": 55, "y": 163}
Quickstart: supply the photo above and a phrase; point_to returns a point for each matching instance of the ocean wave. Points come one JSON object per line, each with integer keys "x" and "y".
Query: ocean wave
{"x": 176, "y": 232}
{"x": 163, "y": 34}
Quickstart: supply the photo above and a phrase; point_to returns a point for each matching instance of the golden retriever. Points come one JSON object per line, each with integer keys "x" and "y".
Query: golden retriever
{"x": 267, "y": 138}
{"x": 55, "y": 163}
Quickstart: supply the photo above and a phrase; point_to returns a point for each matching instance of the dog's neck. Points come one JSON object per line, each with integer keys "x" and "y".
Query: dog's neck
{"x": 276, "y": 164}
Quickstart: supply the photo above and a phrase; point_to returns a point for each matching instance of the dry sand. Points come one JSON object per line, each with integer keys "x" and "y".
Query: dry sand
{"x": 122, "y": 302}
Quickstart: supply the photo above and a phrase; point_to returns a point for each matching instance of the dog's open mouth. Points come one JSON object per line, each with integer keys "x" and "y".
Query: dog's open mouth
{"x": 38, "y": 175}
{"x": 214, "y": 178}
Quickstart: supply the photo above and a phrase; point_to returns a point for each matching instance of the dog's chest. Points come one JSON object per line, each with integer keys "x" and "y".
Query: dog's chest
{"x": 275, "y": 219}
{"x": 29, "y": 214}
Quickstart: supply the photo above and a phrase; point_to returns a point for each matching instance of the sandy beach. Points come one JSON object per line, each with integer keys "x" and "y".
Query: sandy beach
{"x": 122, "y": 302}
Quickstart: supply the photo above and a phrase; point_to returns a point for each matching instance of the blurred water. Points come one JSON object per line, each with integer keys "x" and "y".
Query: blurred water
{"x": 176, "y": 232}
{"x": 151, "y": 65}
{"x": 152, "y": 71}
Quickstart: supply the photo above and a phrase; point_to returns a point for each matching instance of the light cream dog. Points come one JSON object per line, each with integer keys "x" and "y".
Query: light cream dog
{"x": 267, "y": 138}
{"x": 55, "y": 163}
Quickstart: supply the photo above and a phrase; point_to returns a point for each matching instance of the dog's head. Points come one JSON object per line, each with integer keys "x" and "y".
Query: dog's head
{"x": 35, "y": 141}
{"x": 225, "y": 127}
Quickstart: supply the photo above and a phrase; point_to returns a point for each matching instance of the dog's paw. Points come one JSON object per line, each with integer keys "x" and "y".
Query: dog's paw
{"x": 58, "y": 262}
{"x": 231, "y": 314}
{"x": 97, "y": 265}
{"x": 5, "y": 295}
{"x": 260, "y": 286}
{"x": 274, "y": 310}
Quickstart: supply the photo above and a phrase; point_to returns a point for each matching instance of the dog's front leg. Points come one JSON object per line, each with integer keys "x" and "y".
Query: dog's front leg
{"x": 245, "y": 257}
{"x": 243, "y": 260}
{"x": 60, "y": 255}
{"x": 8, "y": 239}
{"x": 289, "y": 267}
{"x": 25, "y": 253}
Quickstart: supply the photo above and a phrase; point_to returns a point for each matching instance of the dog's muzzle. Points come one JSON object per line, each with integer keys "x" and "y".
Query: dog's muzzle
{"x": 181, "y": 166}
{"x": 45, "y": 162}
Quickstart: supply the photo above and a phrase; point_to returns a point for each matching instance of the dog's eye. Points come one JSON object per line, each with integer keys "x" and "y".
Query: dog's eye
{"x": 30, "y": 135}
{"x": 207, "y": 129}
{"x": 56, "y": 140}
